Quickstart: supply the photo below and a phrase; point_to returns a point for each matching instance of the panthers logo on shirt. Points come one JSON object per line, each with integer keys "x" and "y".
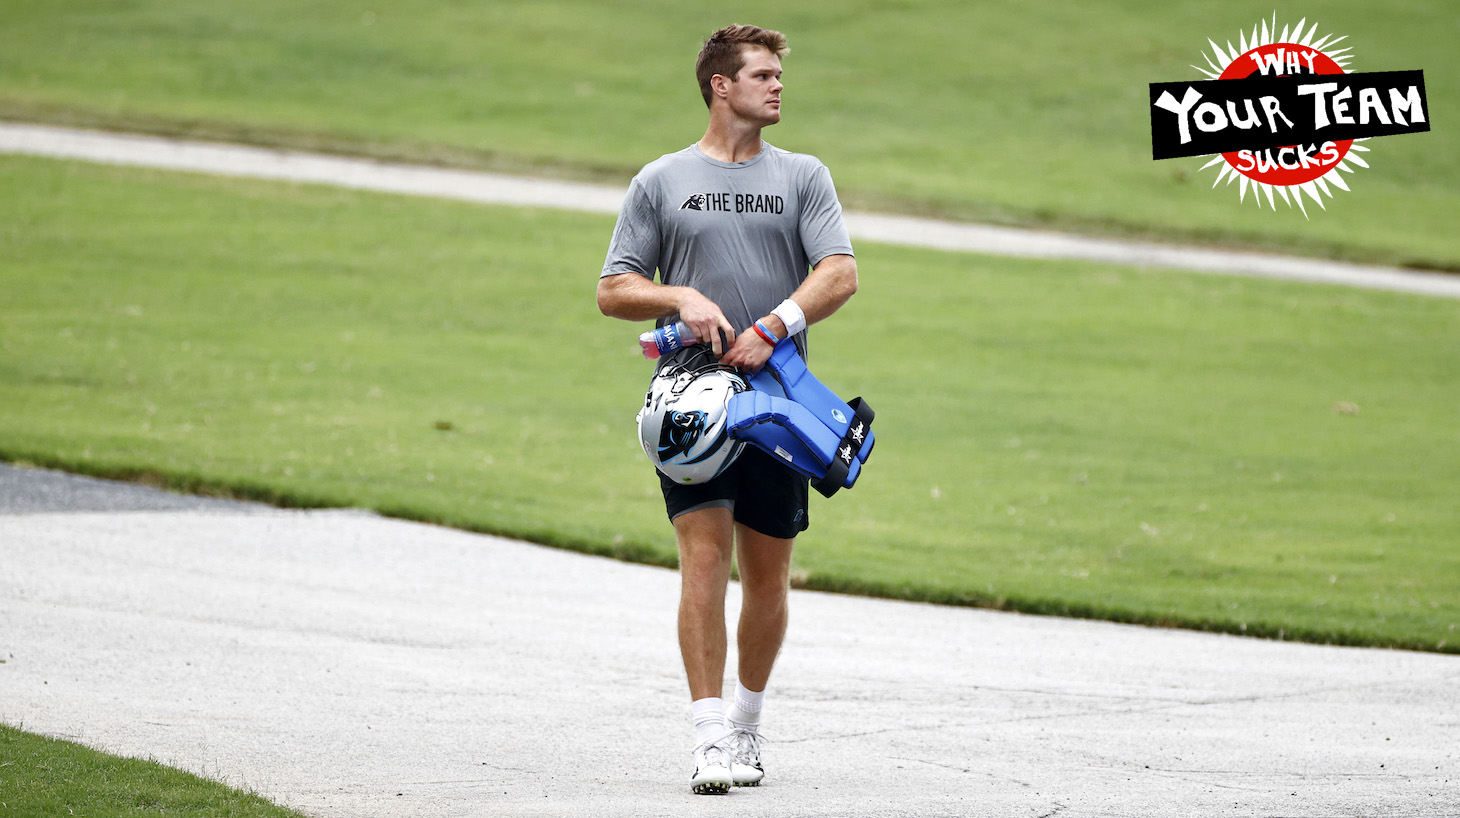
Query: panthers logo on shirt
{"x": 695, "y": 202}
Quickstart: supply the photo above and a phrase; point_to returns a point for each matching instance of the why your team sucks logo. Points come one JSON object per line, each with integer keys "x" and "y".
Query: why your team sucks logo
{"x": 1281, "y": 113}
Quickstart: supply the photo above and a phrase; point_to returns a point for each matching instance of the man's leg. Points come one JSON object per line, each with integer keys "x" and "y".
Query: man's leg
{"x": 765, "y": 569}
{"x": 706, "y": 541}
{"x": 765, "y": 566}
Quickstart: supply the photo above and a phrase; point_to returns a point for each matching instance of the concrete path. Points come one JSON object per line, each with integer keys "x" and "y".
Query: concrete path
{"x": 234, "y": 160}
{"x": 350, "y": 665}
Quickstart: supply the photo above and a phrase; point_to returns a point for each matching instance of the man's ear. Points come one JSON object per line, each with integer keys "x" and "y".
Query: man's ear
{"x": 720, "y": 86}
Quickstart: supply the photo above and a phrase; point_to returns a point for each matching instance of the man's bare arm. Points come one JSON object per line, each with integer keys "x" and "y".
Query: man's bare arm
{"x": 635, "y": 298}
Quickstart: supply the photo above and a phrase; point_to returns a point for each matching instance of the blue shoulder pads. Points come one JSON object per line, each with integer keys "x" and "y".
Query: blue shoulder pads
{"x": 791, "y": 415}
{"x": 785, "y": 429}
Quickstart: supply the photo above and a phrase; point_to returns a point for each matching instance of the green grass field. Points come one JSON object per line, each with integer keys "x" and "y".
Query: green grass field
{"x": 1030, "y": 113}
{"x": 1056, "y": 437}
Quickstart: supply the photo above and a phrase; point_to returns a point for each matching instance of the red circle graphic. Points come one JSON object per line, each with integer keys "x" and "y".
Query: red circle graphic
{"x": 1292, "y": 164}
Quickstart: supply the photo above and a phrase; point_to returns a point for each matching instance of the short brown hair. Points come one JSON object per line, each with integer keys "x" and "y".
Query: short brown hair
{"x": 724, "y": 54}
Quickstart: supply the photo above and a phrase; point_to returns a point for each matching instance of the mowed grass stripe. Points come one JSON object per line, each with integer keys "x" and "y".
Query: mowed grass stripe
{"x": 1033, "y": 113}
{"x": 1145, "y": 446}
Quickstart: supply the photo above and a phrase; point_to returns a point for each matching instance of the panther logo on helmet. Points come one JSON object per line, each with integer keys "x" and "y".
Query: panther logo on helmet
{"x": 680, "y": 432}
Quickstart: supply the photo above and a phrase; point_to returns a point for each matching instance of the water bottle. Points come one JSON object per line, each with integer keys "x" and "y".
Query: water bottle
{"x": 665, "y": 340}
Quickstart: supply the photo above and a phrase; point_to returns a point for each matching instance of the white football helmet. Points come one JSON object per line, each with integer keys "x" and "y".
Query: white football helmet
{"x": 683, "y": 423}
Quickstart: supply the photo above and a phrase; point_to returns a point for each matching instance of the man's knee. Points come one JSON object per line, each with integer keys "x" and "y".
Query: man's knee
{"x": 763, "y": 591}
{"x": 765, "y": 567}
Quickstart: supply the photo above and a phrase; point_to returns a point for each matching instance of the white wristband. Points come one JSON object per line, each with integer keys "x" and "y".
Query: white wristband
{"x": 791, "y": 315}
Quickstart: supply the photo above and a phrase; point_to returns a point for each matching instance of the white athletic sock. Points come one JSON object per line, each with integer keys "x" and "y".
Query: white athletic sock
{"x": 709, "y": 719}
{"x": 745, "y": 712}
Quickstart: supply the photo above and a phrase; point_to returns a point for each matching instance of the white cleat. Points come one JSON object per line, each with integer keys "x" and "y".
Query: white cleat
{"x": 712, "y": 768}
{"x": 745, "y": 766}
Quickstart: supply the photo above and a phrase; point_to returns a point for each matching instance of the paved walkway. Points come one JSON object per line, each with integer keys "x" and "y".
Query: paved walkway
{"x": 354, "y": 666}
{"x": 234, "y": 160}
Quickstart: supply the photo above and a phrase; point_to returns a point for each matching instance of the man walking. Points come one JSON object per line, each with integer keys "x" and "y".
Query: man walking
{"x": 747, "y": 239}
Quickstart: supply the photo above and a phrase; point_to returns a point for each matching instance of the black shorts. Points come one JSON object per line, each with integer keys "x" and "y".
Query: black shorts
{"x": 766, "y": 495}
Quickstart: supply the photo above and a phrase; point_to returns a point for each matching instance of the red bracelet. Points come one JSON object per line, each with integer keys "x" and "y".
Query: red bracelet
{"x": 765, "y": 334}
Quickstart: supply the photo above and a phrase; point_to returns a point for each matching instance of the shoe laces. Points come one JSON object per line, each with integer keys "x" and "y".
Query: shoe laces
{"x": 724, "y": 747}
{"x": 746, "y": 742}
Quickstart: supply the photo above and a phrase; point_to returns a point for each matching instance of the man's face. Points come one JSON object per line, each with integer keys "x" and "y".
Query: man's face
{"x": 755, "y": 95}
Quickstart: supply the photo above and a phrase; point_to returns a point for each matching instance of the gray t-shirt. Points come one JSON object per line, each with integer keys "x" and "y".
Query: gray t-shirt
{"x": 744, "y": 234}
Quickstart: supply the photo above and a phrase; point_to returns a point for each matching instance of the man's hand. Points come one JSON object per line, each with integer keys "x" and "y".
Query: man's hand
{"x": 751, "y": 351}
{"x": 831, "y": 283}
{"x": 705, "y": 320}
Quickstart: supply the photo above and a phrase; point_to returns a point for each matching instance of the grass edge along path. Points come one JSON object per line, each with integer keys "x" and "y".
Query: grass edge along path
{"x": 435, "y": 155}
{"x": 42, "y": 777}
{"x": 822, "y": 581}
{"x": 140, "y": 150}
